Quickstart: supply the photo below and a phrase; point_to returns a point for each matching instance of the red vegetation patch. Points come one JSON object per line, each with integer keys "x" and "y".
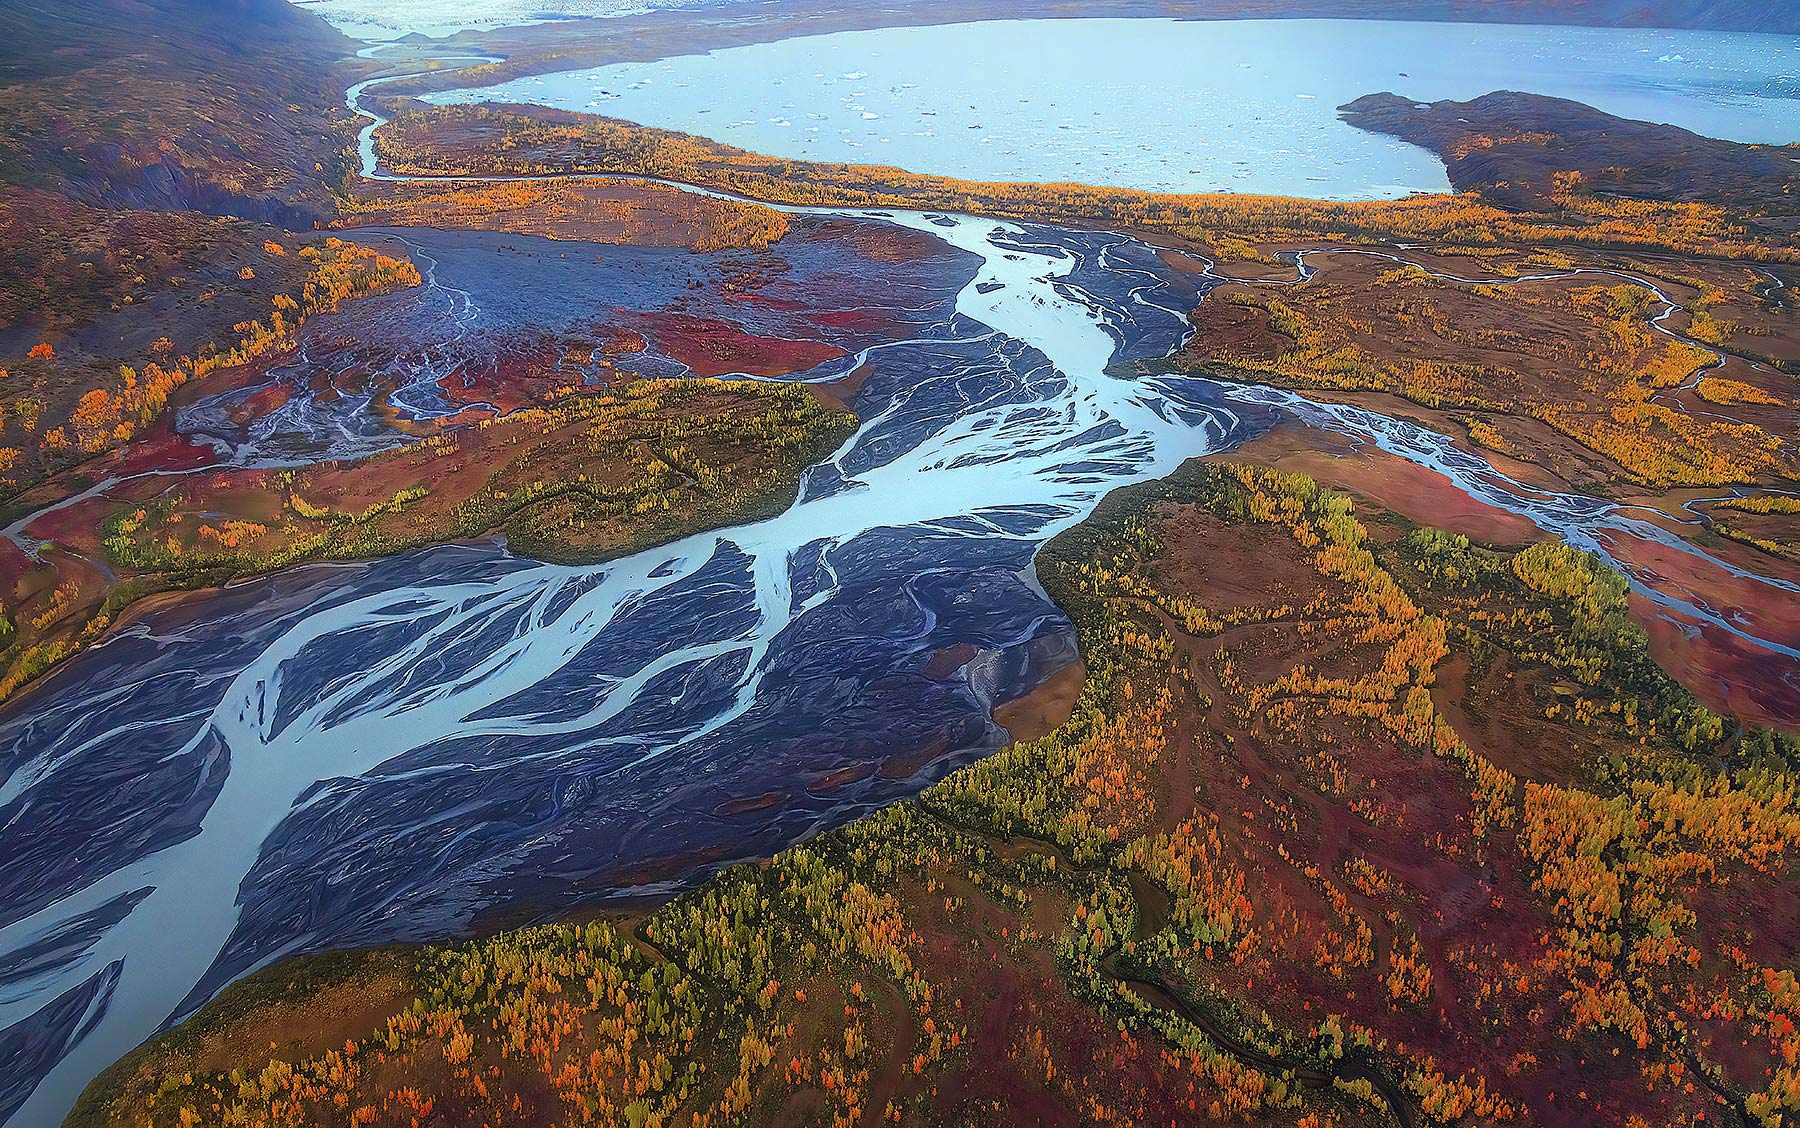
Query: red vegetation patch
{"x": 719, "y": 348}
{"x": 1761, "y": 608}
{"x": 160, "y": 448}
{"x": 266, "y": 400}
{"x": 881, "y": 242}
{"x": 1384, "y": 481}
{"x": 854, "y": 320}
{"x": 1721, "y": 669}
{"x": 14, "y": 565}
{"x": 519, "y": 374}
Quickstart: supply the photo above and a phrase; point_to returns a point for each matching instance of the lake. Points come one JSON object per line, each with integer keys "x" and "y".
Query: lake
{"x": 1165, "y": 105}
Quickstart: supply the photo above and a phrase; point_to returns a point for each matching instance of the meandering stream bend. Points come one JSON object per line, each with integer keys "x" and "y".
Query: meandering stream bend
{"x": 347, "y": 754}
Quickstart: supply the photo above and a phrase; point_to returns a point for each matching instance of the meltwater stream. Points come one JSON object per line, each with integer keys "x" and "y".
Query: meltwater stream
{"x": 342, "y": 755}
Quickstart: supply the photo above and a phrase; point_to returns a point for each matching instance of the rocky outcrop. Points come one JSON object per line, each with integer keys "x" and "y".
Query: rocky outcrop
{"x": 169, "y": 186}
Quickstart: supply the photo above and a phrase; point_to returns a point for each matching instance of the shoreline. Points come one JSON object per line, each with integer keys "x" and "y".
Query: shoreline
{"x": 546, "y": 47}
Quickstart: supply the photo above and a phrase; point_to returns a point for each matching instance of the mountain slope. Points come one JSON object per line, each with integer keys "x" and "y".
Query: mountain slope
{"x": 225, "y": 106}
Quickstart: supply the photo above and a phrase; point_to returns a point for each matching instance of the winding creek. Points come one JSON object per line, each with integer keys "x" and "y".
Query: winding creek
{"x": 403, "y": 749}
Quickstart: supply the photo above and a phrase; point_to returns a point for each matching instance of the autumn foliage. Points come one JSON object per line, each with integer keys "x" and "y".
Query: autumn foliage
{"x": 519, "y": 141}
{"x": 1271, "y": 868}
{"x": 1582, "y": 356}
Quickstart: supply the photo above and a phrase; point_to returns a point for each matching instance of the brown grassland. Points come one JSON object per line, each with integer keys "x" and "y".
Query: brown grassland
{"x": 645, "y": 215}
{"x": 1579, "y": 353}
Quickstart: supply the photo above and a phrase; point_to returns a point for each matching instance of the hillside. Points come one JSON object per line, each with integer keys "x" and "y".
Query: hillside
{"x": 223, "y": 106}
{"x": 152, "y": 155}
